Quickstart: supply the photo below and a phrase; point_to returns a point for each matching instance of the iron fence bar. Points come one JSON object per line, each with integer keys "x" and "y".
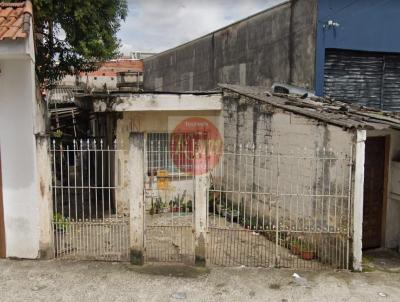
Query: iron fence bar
{"x": 277, "y": 213}
{"x": 349, "y": 206}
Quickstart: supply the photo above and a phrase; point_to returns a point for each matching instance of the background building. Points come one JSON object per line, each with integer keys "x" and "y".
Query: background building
{"x": 106, "y": 77}
{"x": 344, "y": 49}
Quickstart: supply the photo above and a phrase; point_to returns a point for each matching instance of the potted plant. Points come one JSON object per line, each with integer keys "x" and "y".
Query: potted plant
{"x": 295, "y": 247}
{"x": 61, "y": 222}
{"x": 307, "y": 252}
{"x": 190, "y": 206}
{"x": 151, "y": 212}
{"x": 158, "y": 205}
{"x": 183, "y": 207}
{"x": 174, "y": 205}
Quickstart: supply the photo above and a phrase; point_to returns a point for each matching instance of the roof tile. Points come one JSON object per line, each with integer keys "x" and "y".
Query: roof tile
{"x": 110, "y": 68}
{"x": 12, "y": 19}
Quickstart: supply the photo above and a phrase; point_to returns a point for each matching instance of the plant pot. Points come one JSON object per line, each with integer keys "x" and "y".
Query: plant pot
{"x": 295, "y": 249}
{"x": 307, "y": 255}
{"x": 175, "y": 209}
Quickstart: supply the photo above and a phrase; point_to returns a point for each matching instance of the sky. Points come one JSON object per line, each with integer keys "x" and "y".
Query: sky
{"x": 157, "y": 25}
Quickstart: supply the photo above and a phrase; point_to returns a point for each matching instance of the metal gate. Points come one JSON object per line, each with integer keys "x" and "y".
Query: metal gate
{"x": 90, "y": 220}
{"x": 268, "y": 209}
{"x": 169, "y": 198}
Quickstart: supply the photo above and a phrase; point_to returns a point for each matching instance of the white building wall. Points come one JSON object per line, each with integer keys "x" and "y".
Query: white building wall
{"x": 97, "y": 82}
{"x": 18, "y": 151}
{"x": 69, "y": 80}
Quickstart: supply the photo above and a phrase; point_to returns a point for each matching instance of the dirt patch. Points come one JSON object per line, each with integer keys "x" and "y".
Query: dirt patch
{"x": 275, "y": 286}
{"x": 170, "y": 270}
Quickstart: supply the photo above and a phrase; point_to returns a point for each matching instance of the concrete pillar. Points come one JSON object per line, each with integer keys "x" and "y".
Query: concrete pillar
{"x": 135, "y": 180}
{"x": 358, "y": 199}
{"x": 200, "y": 218}
{"x": 45, "y": 199}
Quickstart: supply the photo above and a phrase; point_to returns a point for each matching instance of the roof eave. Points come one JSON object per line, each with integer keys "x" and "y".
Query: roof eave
{"x": 348, "y": 124}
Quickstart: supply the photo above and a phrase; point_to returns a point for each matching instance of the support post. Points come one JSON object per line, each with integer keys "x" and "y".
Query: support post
{"x": 135, "y": 176}
{"x": 200, "y": 218}
{"x": 358, "y": 199}
{"x": 46, "y": 244}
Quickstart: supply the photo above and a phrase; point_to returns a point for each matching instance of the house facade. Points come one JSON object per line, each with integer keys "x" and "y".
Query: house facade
{"x": 238, "y": 176}
{"x": 340, "y": 49}
{"x": 290, "y": 171}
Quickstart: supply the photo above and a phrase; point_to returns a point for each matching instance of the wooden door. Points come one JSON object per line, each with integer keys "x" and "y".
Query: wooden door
{"x": 374, "y": 186}
{"x": 2, "y": 227}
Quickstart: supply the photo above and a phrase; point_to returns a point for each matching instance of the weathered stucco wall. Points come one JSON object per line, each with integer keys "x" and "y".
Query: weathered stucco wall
{"x": 19, "y": 161}
{"x": 249, "y": 121}
{"x": 276, "y": 45}
{"x": 300, "y": 174}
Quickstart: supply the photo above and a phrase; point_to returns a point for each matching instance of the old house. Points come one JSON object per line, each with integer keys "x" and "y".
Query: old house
{"x": 238, "y": 177}
{"x": 235, "y": 175}
{"x": 25, "y": 172}
{"x": 343, "y": 49}
{"x": 109, "y": 76}
{"x": 368, "y": 138}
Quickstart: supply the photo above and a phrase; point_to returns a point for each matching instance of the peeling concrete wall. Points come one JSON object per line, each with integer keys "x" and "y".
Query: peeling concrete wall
{"x": 314, "y": 160}
{"x": 249, "y": 121}
{"x": 276, "y": 45}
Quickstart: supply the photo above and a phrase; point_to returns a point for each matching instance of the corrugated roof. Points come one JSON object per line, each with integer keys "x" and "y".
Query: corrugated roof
{"x": 15, "y": 20}
{"x": 323, "y": 109}
{"x": 62, "y": 95}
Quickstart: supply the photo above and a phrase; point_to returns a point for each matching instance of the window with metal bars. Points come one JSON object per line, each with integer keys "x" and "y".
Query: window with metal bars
{"x": 172, "y": 153}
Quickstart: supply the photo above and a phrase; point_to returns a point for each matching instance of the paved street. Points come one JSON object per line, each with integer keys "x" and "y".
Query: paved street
{"x": 104, "y": 281}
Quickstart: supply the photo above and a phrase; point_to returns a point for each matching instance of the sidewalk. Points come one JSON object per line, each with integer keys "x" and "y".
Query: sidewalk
{"x": 101, "y": 281}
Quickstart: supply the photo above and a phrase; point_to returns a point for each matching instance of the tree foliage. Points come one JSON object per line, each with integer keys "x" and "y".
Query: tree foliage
{"x": 74, "y": 35}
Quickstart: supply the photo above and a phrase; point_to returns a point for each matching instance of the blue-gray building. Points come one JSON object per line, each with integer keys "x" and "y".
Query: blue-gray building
{"x": 357, "y": 51}
{"x": 347, "y": 49}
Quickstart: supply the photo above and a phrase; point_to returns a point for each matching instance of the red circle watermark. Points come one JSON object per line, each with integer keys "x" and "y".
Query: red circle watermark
{"x": 196, "y": 145}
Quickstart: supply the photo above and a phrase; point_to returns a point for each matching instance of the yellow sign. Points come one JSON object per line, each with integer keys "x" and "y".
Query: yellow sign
{"x": 162, "y": 180}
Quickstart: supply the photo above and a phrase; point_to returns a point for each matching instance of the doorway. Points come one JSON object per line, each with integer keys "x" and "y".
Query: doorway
{"x": 2, "y": 225}
{"x": 375, "y": 183}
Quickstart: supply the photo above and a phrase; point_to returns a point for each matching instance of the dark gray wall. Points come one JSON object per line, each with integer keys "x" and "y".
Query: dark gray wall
{"x": 276, "y": 45}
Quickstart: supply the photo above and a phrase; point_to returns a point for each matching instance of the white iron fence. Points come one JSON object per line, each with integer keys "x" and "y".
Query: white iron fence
{"x": 270, "y": 208}
{"x": 266, "y": 207}
{"x": 88, "y": 221}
